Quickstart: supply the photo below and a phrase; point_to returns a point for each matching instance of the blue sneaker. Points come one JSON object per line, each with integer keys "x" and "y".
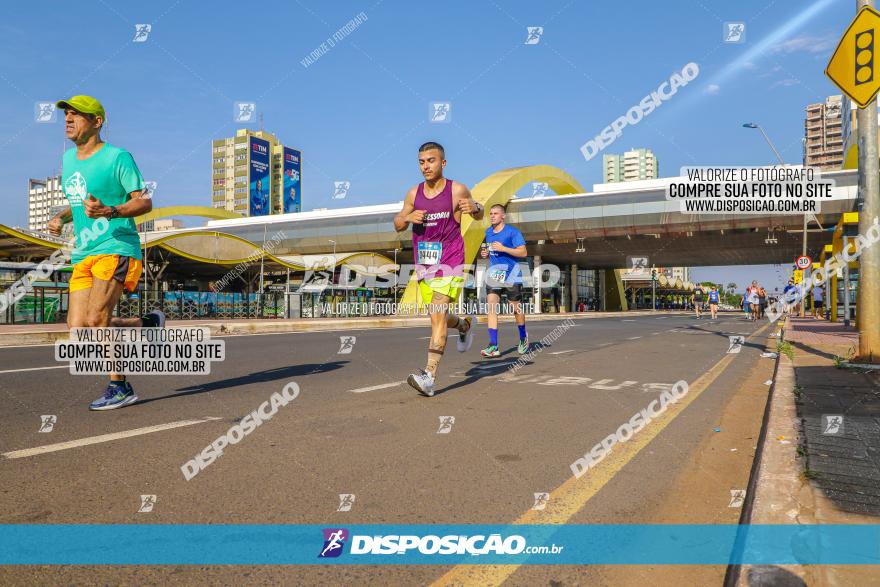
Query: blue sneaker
{"x": 117, "y": 395}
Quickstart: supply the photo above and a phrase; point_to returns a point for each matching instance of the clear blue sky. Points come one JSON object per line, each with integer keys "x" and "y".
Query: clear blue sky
{"x": 360, "y": 111}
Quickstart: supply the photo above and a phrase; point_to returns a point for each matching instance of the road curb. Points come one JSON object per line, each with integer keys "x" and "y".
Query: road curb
{"x": 777, "y": 493}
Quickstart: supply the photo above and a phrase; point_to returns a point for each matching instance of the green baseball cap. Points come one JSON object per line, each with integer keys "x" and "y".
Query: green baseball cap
{"x": 84, "y": 104}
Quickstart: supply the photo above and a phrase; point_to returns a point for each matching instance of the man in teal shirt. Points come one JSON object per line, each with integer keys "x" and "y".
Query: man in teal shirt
{"x": 105, "y": 191}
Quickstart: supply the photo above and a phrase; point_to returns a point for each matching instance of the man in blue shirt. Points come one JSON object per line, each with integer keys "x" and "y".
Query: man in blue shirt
{"x": 503, "y": 246}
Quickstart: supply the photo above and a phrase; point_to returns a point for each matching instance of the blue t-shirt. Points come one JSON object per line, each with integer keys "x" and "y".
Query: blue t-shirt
{"x": 713, "y": 297}
{"x": 503, "y": 267}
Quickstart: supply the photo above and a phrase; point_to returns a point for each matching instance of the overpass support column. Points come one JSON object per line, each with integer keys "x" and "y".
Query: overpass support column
{"x": 613, "y": 291}
{"x": 573, "y": 289}
{"x": 536, "y": 284}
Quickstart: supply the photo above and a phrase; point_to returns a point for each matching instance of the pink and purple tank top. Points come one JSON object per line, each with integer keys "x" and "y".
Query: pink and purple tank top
{"x": 438, "y": 246}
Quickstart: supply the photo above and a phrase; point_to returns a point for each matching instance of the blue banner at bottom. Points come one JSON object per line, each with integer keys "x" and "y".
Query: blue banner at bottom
{"x": 270, "y": 544}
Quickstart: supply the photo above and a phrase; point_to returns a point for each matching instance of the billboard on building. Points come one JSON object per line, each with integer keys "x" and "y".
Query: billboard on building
{"x": 258, "y": 177}
{"x": 291, "y": 184}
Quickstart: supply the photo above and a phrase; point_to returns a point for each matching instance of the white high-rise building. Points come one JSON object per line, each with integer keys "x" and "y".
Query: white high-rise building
{"x": 633, "y": 165}
{"x": 45, "y": 199}
{"x": 824, "y": 132}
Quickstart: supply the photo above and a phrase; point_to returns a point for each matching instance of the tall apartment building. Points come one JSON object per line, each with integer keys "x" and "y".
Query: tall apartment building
{"x": 633, "y": 165}
{"x": 254, "y": 174}
{"x": 45, "y": 199}
{"x": 849, "y": 127}
{"x": 823, "y": 134}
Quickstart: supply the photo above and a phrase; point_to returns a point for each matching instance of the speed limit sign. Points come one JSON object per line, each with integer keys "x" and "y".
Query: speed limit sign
{"x": 803, "y": 262}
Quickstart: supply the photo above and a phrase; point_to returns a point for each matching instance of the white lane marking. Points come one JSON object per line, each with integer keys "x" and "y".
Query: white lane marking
{"x": 29, "y": 452}
{"x": 494, "y": 365}
{"x": 634, "y": 337}
{"x": 562, "y": 352}
{"x": 35, "y": 369}
{"x": 655, "y": 333}
{"x": 605, "y": 343}
{"x": 375, "y": 387}
{"x": 628, "y": 320}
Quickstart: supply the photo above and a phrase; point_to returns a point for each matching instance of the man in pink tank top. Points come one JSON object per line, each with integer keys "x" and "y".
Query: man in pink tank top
{"x": 434, "y": 209}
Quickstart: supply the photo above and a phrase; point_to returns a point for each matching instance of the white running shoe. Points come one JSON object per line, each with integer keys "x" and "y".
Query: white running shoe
{"x": 422, "y": 381}
{"x": 466, "y": 338}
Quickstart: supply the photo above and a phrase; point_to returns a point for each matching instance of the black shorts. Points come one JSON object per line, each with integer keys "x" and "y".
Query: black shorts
{"x": 514, "y": 291}
{"x": 818, "y": 303}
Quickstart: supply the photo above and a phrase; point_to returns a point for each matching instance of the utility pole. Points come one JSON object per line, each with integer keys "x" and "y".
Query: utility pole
{"x": 868, "y": 307}
{"x": 654, "y": 288}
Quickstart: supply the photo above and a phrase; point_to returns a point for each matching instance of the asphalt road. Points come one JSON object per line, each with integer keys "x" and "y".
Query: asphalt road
{"x": 356, "y": 428}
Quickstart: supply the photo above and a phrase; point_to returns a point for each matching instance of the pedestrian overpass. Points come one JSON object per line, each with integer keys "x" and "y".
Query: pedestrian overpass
{"x": 598, "y": 229}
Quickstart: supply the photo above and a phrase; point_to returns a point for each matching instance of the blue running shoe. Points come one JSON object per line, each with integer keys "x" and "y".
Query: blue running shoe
{"x": 117, "y": 395}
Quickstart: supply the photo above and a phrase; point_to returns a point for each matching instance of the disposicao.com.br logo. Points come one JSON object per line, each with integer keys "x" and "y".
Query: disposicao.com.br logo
{"x": 453, "y": 544}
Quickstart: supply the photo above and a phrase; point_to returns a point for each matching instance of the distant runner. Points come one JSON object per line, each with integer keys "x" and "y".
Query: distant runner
{"x": 762, "y": 301}
{"x": 786, "y": 297}
{"x": 504, "y": 244}
{"x": 714, "y": 298}
{"x": 818, "y": 302}
{"x": 697, "y": 298}
{"x": 754, "y": 301}
{"x": 434, "y": 208}
{"x": 101, "y": 181}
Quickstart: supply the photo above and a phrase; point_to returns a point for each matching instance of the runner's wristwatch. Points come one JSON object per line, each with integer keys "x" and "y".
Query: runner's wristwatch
{"x": 114, "y": 212}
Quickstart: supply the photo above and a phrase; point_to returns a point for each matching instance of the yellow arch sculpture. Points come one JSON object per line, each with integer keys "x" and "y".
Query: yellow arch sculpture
{"x": 202, "y": 211}
{"x": 34, "y": 240}
{"x": 166, "y": 242}
{"x": 499, "y": 188}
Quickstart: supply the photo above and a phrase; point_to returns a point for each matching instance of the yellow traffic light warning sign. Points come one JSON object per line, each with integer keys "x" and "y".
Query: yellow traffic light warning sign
{"x": 854, "y": 65}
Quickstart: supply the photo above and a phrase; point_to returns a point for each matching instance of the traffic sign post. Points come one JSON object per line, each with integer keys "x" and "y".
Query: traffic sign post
{"x": 855, "y": 69}
{"x": 853, "y": 66}
{"x": 803, "y": 262}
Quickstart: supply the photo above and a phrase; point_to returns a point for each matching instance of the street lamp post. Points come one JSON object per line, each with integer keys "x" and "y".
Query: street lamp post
{"x": 396, "y": 273}
{"x": 332, "y": 277}
{"x": 781, "y": 162}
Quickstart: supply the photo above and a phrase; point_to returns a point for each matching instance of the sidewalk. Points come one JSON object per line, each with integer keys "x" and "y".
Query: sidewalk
{"x": 26, "y": 334}
{"x": 844, "y": 453}
{"x": 812, "y": 470}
